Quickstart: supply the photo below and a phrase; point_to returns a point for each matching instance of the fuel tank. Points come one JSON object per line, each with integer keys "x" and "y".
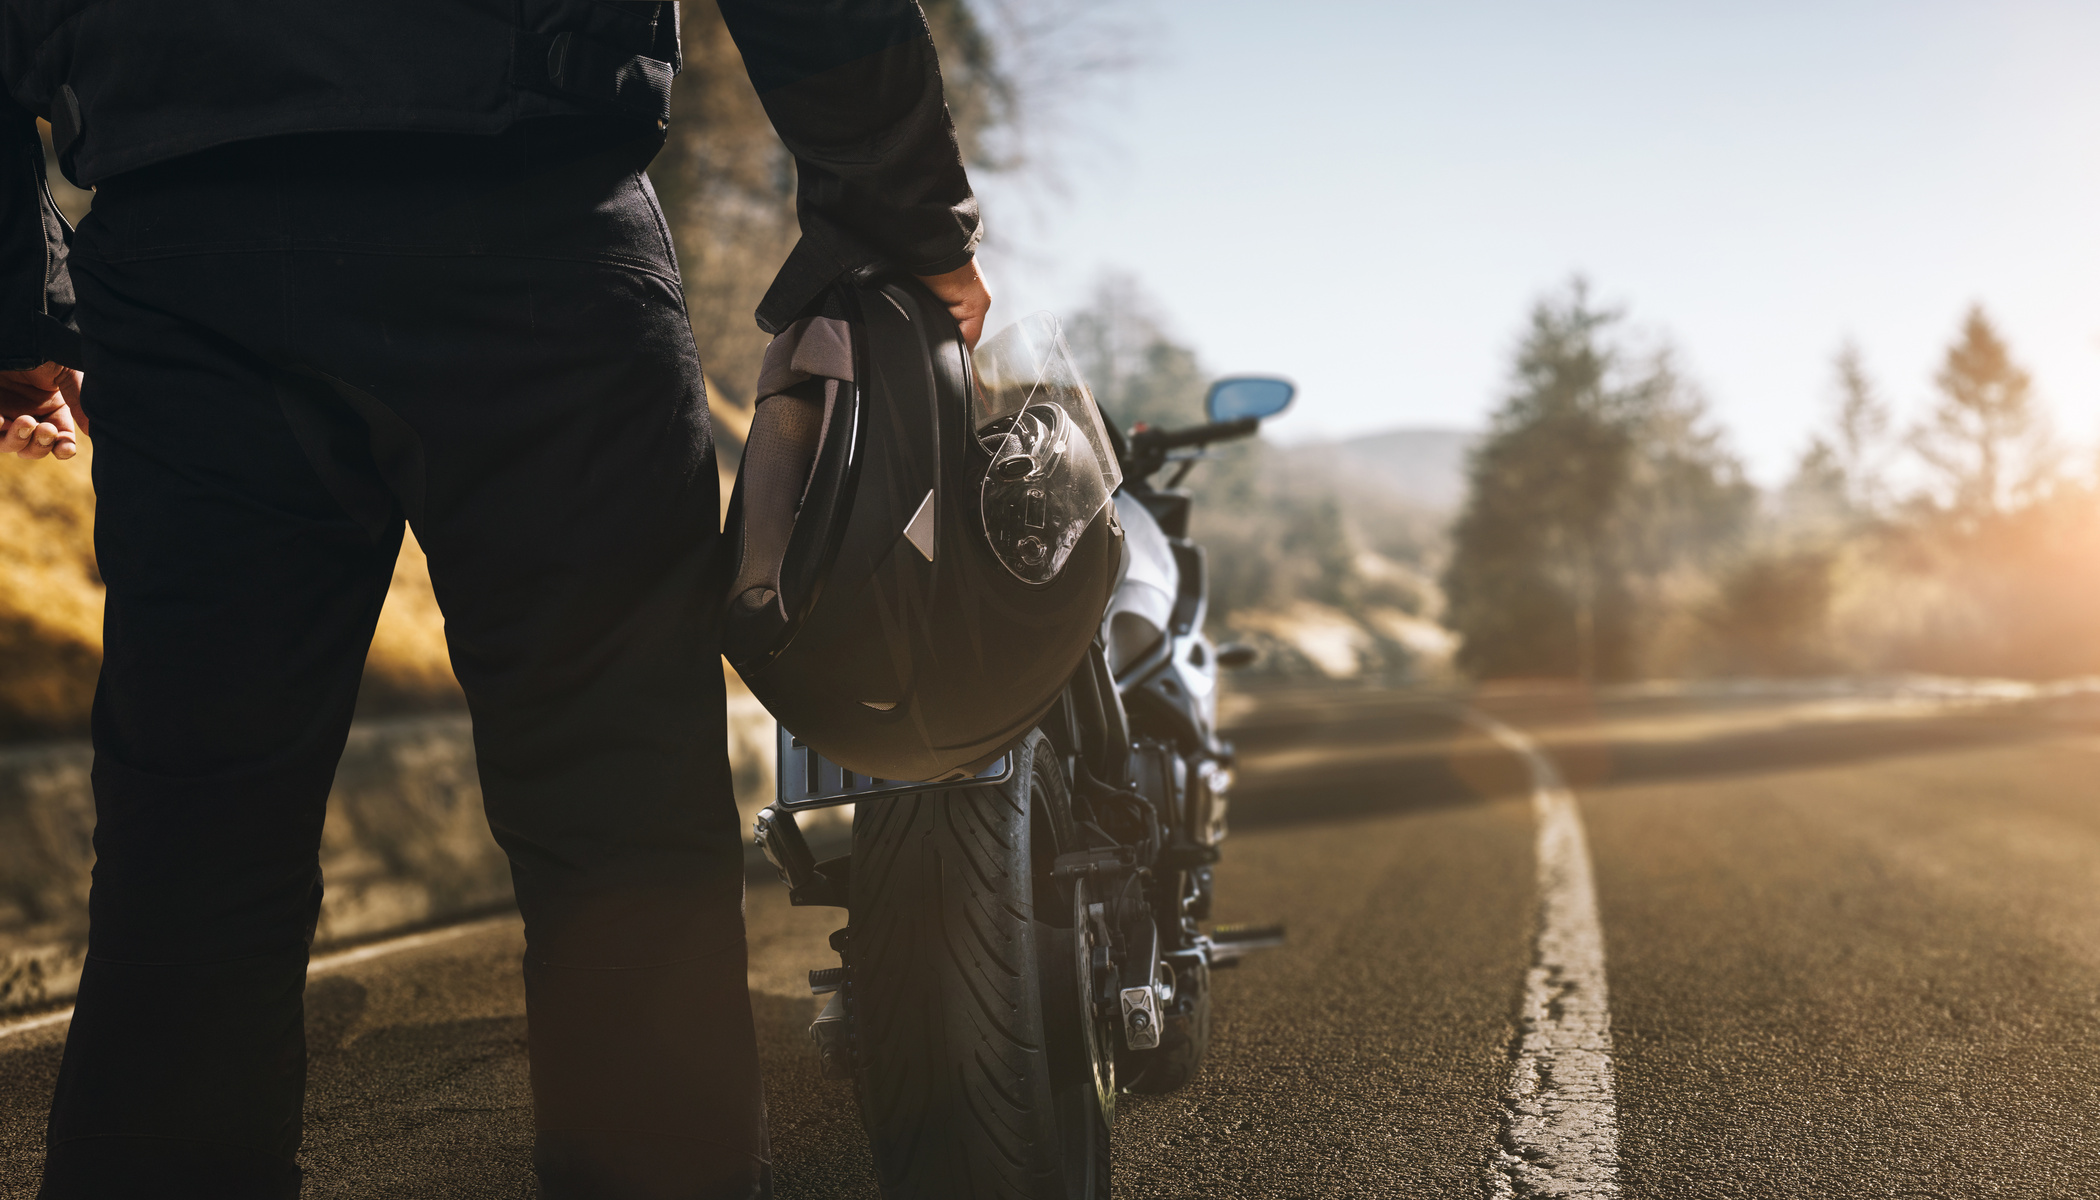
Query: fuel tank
{"x": 1142, "y": 608}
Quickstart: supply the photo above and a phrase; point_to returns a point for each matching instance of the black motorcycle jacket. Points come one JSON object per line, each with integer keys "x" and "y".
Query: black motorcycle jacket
{"x": 852, "y": 87}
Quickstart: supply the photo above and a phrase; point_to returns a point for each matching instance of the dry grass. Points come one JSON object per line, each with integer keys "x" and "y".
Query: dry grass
{"x": 408, "y": 668}
{"x": 50, "y": 596}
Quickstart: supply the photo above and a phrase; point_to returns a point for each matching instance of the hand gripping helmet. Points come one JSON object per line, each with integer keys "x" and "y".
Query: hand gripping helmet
{"x": 923, "y": 544}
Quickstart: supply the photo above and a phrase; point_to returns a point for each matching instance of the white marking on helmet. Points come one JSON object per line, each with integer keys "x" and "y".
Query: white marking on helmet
{"x": 919, "y": 530}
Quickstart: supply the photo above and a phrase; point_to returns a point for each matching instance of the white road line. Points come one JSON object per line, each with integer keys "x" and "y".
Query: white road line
{"x": 26, "y": 1024}
{"x": 358, "y": 954}
{"x": 1560, "y": 1123}
{"x": 319, "y": 966}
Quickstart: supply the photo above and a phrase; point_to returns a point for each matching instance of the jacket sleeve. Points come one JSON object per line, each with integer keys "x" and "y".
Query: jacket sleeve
{"x": 36, "y": 293}
{"x": 854, "y": 89}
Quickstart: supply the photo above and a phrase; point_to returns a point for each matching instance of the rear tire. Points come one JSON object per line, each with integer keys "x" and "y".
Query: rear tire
{"x": 970, "y": 1065}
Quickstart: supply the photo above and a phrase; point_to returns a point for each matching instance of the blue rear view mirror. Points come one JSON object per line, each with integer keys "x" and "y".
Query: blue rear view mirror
{"x": 1248, "y": 396}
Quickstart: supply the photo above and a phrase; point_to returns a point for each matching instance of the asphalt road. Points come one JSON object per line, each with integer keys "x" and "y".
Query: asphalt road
{"x": 1853, "y": 949}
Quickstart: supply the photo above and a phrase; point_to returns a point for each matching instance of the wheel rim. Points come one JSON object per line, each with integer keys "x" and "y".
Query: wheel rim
{"x": 1096, "y": 1034}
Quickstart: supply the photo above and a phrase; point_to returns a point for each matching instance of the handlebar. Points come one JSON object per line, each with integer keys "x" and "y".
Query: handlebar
{"x": 1146, "y": 443}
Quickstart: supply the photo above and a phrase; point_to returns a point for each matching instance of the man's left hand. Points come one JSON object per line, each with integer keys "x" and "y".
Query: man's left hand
{"x": 40, "y": 413}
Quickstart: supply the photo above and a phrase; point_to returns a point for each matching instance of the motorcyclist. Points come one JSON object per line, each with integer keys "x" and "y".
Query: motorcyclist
{"x": 351, "y": 265}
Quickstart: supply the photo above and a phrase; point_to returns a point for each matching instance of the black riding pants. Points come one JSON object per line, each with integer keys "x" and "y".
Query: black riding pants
{"x": 291, "y": 348}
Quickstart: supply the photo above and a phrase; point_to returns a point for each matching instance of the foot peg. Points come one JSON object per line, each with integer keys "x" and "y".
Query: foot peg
{"x": 1230, "y": 943}
{"x": 834, "y": 1046}
{"x": 833, "y": 1038}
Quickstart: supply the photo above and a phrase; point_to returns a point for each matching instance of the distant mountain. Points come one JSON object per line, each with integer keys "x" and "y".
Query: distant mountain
{"x": 1426, "y": 467}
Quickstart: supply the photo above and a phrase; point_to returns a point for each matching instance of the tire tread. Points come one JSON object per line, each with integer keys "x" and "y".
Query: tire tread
{"x": 951, "y": 1070}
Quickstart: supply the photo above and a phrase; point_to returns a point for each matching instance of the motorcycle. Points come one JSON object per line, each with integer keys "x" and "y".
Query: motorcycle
{"x": 1023, "y": 945}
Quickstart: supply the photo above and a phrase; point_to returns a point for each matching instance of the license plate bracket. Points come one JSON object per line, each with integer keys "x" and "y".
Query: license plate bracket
{"x": 805, "y": 779}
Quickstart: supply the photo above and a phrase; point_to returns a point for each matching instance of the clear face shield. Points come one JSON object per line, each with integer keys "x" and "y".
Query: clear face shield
{"x": 1052, "y": 468}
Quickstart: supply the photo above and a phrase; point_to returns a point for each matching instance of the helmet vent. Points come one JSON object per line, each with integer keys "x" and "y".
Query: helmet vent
{"x": 919, "y": 531}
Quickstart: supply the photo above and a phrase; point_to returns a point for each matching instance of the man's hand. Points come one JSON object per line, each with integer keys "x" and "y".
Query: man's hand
{"x": 40, "y": 412}
{"x": 963, "y": 291}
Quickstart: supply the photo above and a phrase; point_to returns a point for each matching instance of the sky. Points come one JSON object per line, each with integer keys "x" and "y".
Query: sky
{"x": 1367, "y": 197}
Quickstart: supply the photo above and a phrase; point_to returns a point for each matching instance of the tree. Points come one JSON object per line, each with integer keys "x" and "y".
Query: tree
{"x": 1524, "y": 580}
{"x": 1138, "y": 372}
{"x": 1769, "y": 612}
{"x": 1862, "y": 445}
{"x": 1686, "y": 500}
{"x": 1987, "y": 439}
{"x": 1270, "y": 542}
{"x": 1838, "y": 483}
{"x": 1816, "y": 502}
{"x": 1598, "y": 475}
{"x": 727, "y": 184}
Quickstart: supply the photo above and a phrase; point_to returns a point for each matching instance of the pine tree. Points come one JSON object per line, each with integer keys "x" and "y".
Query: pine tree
{"x": 1987, "y": 439}
{"x": 1837, "y": 484}
{"x": 1599, "y": 475}
{"x": 1525, "y": 581}
{"x": 1863, "y": 424}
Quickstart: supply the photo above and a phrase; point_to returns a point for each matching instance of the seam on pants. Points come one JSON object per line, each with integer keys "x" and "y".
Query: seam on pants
{"x": 394, "y": 449}
{"x": 647, "y": 195}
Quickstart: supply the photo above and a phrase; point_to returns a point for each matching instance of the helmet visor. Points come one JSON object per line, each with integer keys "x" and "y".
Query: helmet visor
{"x": 1051, "y": 468}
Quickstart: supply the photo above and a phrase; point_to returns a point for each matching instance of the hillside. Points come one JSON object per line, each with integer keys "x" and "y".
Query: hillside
{"x": 1423, "y": 468}
{"x": 1325, "y": 555}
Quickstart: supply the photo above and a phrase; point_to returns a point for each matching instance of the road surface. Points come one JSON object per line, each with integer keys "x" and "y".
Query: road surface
{"x": 1852, "y": 948}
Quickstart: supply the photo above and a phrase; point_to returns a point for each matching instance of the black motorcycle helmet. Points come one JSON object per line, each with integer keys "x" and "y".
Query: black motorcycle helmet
{"x": 922, "y": 553}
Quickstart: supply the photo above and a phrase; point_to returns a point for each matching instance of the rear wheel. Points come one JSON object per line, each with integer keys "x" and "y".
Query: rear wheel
{"x": 973, "y": 1063}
